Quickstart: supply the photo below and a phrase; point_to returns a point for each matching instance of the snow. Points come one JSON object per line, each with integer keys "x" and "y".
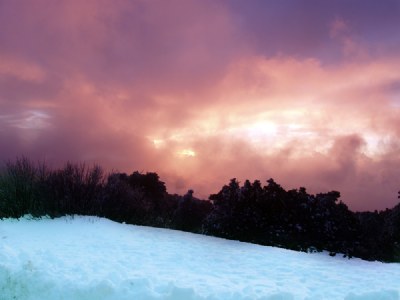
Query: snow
{"x": 95, "y": 258}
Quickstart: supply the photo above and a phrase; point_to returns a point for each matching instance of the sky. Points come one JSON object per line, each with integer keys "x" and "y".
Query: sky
{"x": 201, "y": 91}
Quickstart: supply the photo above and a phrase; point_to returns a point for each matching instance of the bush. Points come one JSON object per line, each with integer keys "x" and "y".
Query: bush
{"x": 28, "y": 188}
{"x": 74, "y": 189}
{"x": 293, "y": 219}
{"x": 190, "y": 213}
{"x": 17, "y": 189}
{"x": 121, "y": 202}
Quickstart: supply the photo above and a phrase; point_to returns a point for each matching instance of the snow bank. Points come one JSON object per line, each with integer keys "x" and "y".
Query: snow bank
{"x": 93, "y": 258}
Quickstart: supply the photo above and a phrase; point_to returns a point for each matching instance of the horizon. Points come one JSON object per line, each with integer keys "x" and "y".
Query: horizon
{"x": 304, "y": 92}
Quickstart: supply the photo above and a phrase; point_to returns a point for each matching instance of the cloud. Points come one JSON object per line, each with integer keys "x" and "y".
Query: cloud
{"x": 341, "y": 32}
{"x": 338, "y": 26}
{"x": 20, "y": 69}
{"x": 203, "y": 91}
{"x": 322, "y": 130}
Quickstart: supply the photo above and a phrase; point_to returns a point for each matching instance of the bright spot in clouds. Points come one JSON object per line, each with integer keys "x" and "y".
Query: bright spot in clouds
{"x": 32, "y": 119}
{"x": 158, "y": 143}
{"x": 186, "y": 153}
{"x": 258, "y": 130}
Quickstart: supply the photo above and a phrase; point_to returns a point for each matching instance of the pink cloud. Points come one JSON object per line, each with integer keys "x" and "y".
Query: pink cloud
{"x": 20, "y": 68}
{"x": 177, "y": 88}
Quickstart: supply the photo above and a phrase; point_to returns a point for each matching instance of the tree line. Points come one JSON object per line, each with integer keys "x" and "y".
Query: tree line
{"x": 265, "y": 214}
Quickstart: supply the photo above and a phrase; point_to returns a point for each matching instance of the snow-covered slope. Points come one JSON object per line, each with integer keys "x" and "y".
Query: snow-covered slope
{"x": 93, "y": 258}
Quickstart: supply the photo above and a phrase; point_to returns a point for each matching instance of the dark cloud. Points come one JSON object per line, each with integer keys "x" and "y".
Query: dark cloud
{"x": 301, "y": 28}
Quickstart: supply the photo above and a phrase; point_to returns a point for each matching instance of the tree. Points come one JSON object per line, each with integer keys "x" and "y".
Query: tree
{"x": 190, "y": 213}
{"x": 17, "y": 183}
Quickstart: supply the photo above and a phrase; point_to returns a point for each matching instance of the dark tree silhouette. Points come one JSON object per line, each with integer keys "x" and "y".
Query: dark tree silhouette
{"x": 267, "y": 215}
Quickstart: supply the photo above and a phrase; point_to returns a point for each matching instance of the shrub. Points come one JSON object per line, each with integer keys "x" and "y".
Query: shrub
{"x": 17, "y": 185}
{"x": 74, "y": 189}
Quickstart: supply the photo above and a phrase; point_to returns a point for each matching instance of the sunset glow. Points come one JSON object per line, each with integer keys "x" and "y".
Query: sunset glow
{"x": 204, "y": 91}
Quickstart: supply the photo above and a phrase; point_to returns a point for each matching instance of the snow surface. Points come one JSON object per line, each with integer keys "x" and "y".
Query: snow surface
{"x": 94, "y": 258}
